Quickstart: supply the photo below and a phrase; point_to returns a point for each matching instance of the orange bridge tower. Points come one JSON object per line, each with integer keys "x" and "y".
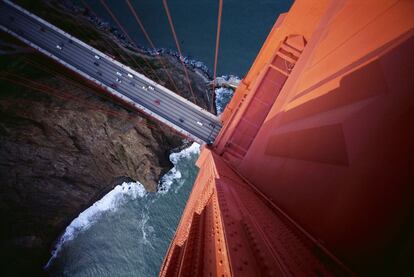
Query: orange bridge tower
{"x": 312, "y": 173}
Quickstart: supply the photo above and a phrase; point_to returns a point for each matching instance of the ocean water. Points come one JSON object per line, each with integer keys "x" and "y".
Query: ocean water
{"x": 244, "y": 27}
{"x": 128, "y": 231}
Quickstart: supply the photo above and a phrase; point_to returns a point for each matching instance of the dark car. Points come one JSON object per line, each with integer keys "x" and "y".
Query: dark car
{"x": 114, "y": 85}
{"x": 96, "y": 63}
{"x": 181, "y": 120}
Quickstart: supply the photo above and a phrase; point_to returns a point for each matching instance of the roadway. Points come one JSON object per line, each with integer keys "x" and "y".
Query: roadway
{"x": 120, "y": 80}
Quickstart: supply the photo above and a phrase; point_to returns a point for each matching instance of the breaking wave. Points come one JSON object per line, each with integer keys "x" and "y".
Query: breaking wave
{"x": 119, "y": 195}
{"x": 223, "y": 93}
{"x": 110, "y": 202}
{"x": 223, "y": 97}
{"x": 175, "y": 175}
{"x": 132, "y": 190}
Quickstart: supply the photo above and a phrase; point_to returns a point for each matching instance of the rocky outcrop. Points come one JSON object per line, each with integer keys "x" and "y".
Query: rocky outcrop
{"x": 58, "y": 156}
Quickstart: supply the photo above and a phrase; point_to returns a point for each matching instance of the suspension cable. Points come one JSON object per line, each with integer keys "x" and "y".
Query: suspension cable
{"x": 220, "y": 11}
{"x": 67, "y": 78}
{"x": 126, "y": 52}
{"x": 58, "y": 75}
{"x": 54, "y": 92}
{"x": 108, "y": 9}
{"x": 109, "y": 43}
{"x": 167, "y": 11}
{"x": 138, "y": 20}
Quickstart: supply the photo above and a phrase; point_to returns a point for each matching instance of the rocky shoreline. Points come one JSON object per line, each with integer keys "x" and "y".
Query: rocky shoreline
{"x": 194, "y": 66}
{"x": 105, "y": 26}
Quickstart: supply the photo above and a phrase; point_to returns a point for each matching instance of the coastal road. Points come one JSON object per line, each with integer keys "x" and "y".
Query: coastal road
{"x": 118, "y": 79}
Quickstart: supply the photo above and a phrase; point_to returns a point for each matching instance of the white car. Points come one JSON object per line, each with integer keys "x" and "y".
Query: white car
{"x": 59, "y": 47}
{"x": 199, "y": 123}
{"x": 97, "y": 57}
{"x": 145, "y": 88}
{"x": 118, "y": 80}
{"x": 130, "y": 75}
{"x": 118, "y": 73}
{"x": 151, "y": 87}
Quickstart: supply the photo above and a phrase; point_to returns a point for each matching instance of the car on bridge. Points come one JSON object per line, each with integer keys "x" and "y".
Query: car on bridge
{"x": 59, "y": 46}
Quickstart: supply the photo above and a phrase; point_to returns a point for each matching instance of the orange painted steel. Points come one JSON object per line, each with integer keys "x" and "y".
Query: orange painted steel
{"x": 312, "y": 172}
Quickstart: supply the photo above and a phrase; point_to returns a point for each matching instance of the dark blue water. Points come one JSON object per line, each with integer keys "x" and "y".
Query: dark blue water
{"x": 245, "y": 26}
{"x": 127, "y": 233}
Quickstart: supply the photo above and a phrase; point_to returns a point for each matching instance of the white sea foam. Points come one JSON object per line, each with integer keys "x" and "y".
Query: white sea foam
{"x": 116, "y": 197}
{"x": 145, "y": 227}
{"x": 185, "y": 153}
{"x": 224, "y": 94}
{"x": 110, "y": 202}
{"x": 174, "y": 174}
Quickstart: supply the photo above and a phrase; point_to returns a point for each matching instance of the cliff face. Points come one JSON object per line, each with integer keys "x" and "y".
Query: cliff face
{"x": 59, "y": 155}
{"x": 63, "y": 146}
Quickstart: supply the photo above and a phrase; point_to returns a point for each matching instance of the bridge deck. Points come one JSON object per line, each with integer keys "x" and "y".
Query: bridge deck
{"x": 118, "y": 79}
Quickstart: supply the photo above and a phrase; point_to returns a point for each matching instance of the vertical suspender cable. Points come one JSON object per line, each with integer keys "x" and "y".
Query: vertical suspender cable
{"x": 167, "y": 11}
{"x": 220, "y": 10}
{"x": 59, "y": 93}
{"x": 108, "y": 9}
{"x": 138, "y": 20}
{"x": 133, "y": 60}
{"x": 85, "y": 5}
